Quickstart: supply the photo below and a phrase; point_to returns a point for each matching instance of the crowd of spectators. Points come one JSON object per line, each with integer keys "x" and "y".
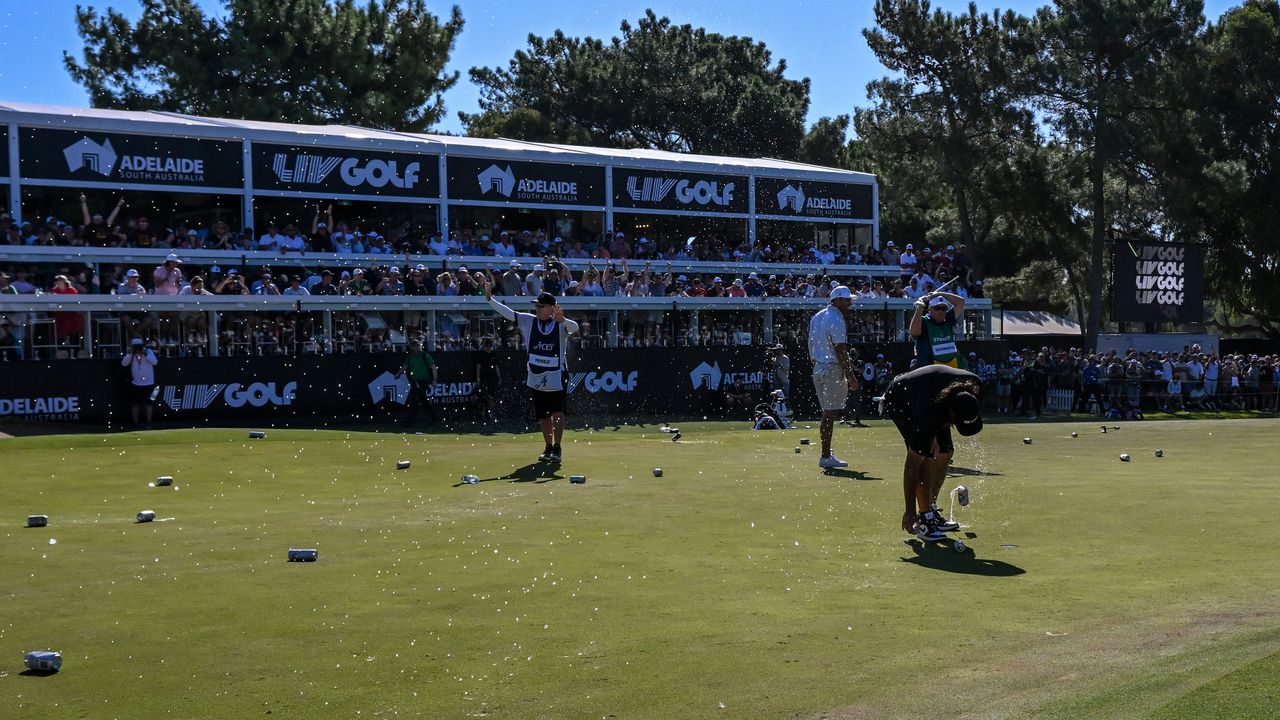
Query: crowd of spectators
{"x": 1128, "y": 385}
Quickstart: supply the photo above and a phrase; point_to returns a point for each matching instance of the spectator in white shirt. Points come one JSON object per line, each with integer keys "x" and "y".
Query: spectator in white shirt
{"x": 534, "y": 281}
{"x": 292, "y": 242}
{"x": 295, "y": 287}
{"x": 271, "y": 239}
{"x": 504, "y": 248}
{"x": 167, "y": 278}
{"x": 131, "y": 286}
{"x": 438, "y": 245}
{"x": 907, "y": 261}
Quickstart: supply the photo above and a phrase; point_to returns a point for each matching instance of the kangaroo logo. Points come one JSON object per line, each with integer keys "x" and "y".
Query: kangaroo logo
{"x": 86, "y": 153}
{"x": 498, "y": 179}
{"x": 791, "y": 197}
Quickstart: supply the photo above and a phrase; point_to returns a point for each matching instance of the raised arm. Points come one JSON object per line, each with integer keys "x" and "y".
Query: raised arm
{"x": 486, "y": 280}
{"x": 111, "y": 219}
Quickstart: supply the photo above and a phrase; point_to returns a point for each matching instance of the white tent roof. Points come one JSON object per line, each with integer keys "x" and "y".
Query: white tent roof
{"x": 1032, "y": 322}
{"x": 350, "y": 136}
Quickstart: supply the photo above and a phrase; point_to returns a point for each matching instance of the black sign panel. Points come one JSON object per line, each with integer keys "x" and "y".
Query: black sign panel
{"x": 4, "y": 150}
{"x": 342, "y": 171}
{"x": 812, "y": 199}
{"x": 679, "y": 191}
{"x": 525, "y": 182}
{"x": 1159, "y": 282}
{"x": 131, "y": 159}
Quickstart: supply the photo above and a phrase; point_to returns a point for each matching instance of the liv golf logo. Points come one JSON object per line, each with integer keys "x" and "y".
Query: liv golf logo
{"x": 606, "y": 382}
{"x": 1161, "y": 274}
{"x": 315, "y": 169}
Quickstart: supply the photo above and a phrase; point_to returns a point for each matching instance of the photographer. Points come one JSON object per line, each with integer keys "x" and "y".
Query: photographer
{"x": 232, "y": 284}
{"x": 141, "y": 362}
{"x": 780, "y": 365}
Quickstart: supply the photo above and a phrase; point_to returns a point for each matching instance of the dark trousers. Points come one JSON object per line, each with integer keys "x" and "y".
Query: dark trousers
{"x": 420, "y": 400}
{"x": 1091, "y": 391}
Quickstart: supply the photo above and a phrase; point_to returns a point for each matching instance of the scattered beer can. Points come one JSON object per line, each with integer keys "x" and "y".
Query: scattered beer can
{"x": 1104, "y": 429}
{"x": 402, "y": 465}
{"x": 676, "y": 437}
{"x": 303, "y": 555}
{"x": 578, "y": 479}
{"x": 1124, "y": 457}
{"x": 44, "y": 660}
{"x": 962, "y": 495}
{"x": 1026, "y": 441}
{"x": 164, "y": 480}
{"x": 37, "y": 520}
{"x": 657, "y": 472}
{"x": 470, "y": 479}
{"x": 257, "y": 435}
{"x": 1075, "y": 434}
{"x": 804, "y": 441}
{"x": 1159, "y": 453}
{"x": 797, "y": 451}
{"x": 146, "y": 516}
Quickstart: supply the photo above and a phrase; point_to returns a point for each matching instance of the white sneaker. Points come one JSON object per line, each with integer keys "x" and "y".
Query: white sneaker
{"x": 832, "y": 462}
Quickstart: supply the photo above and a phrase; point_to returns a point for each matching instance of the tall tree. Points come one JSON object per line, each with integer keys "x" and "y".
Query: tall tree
{"x": 954, "y": 99}
{"x": 657, "y": 85}
{"x": 308, "y": 61}
{"x": 1097, "y": 76}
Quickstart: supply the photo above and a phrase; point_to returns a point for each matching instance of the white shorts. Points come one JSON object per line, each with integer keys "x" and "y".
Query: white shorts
{"x": 832, "y": 386}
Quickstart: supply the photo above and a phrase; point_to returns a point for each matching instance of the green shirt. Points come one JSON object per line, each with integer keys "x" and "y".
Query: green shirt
{"x": 419, "y": 365}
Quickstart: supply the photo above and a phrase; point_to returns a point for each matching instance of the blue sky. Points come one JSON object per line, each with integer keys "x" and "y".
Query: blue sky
{"x": 820, "y": 39}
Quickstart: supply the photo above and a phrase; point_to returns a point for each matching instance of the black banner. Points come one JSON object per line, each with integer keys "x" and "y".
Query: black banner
{"x": 525, "y": 182}
{"x": 1159, "y": 282}
{"x": 632, "y": 384}
{"x": 813, "y": 199}
{"x": 341, "y": 171}
{"x": 134, "y": 159}
{"x": 679, "y": 191}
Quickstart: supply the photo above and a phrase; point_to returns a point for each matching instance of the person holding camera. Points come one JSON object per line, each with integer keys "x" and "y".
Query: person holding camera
{"x": 141, "y": 362}
{"x": 546, "y": 335}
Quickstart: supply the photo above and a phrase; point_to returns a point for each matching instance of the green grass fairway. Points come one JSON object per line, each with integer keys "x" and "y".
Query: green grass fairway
{"x": 744, "y": 583}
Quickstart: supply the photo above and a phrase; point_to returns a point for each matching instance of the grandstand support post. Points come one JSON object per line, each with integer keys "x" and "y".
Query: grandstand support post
{"x": 246, "y": 211}
{"x": 875, "y": 214}
{"x": 214, "y": 335}
{"x": 751, "y": 210}
{"x": 326, "y": 320}
{"x": 899, "y": 324}
{"x": 695, "y": 328}
{"x": 87, "y": 341}
{"x": 444, "y": 197}
{"x": 768, "y": 326}
{"x": 608, "y": 198}
{"x": 431, "y": 331}
{"x": 15, "y": 176}
{"x": 613, "y": 328}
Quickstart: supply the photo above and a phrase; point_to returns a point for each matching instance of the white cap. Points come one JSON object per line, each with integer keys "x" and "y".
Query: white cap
{"x": 890, "y": 244}
{"x": 420, "y": 266}
{"x": 538, "y": 268}
{"x": 172, "y": 258}
{"x": 131, "y": 273}
{"x": 939, "y": 301}
{"x": 620, "y": 234}
{"x": 840, "y": 291}
{"x": 395, "y": 270}
{"x": 738, "y": 282}
{"x": 951, "y": 247}
{"x": 515, "y": 263}
{"x": 717, "y": 279}
{"x": 910, "y": 246}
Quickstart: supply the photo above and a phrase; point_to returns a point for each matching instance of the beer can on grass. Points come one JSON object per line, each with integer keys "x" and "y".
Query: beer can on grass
{"x": 657, "y": 472}
{"x": 470, "y": 479}
{"x": 257, "y": 435}
{"x": 303, "y": 555}
{"x": 44, "y": 660}
{"x": 578, "y": 479}
{"x": 37, "y": 520}
{"x": 403, "y": 465}
{"x": 962, "y": 495}
{"x": 146, "y": 516}
{"x": 164, "y": 480}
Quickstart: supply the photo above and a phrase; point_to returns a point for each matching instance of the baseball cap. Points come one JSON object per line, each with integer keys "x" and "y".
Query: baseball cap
{"x": 131, "y": 273}
{"x": 545, "y": 298}
{"x": 515, "y": 263}
{"x": 135, "y": 341}
{"x": 172, "y": 258}
{"x": 716, "y": 279}
{"x": 879, "y": 356}
{"x": 939, "y": 301}
{"x": 951, "y": 247}
{"x": 738, "y": 282}
{"x": 890, "y": 244}
{"x": 841, "y": 291}
{"x": 966, "y": 413}
{"x": 395, "y": 270}
{"x": 539, "y": 267}
{"x": 910, "y": 246}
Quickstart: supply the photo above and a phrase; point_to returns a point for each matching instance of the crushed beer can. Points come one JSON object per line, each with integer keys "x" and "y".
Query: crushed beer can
{"x": 37, "y": 520}
{"x": 657, "y": 472}
{"x": 470, "y": 479}
{"x": 44, "y": 660}
{"x": 146, "y": 516}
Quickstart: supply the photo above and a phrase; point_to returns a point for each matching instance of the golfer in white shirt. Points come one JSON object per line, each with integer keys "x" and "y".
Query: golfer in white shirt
{"x": 833, "y": 372}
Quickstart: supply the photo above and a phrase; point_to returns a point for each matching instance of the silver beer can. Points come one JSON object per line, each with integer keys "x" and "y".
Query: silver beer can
{"x": 470, "y": 479}
{"x": 657, "y": 472}
{"x": 303, "y": 555}
{"x": 962, "y": 495}
{"x": 164, "y": 480}
{"x": 146, "y": 516}
{"x": 37, "y": 520}
{"x": 403, "y": 465}
{"x": 257, "y": 435}
{"x": 44, "y": 660}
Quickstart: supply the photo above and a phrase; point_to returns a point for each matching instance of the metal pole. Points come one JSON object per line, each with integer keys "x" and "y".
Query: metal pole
{"x": 326, "y": 319}
{"x": 431, "y": 331}
{"x": 213, "y": 333}
{"x": 246, "y": 212}
{"x": 613, "y": 328}
{"x": 14, "y": 171}
{"x": 87, "y": 340}
{"x": 444, "y": 197}
{"x": 751, "y": 210}
{"x": 768, "y": 326}
{"x": 608, "y": 198}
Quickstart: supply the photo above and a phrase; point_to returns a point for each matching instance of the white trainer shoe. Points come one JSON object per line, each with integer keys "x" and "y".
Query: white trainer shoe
{"x": 832, "y": 462}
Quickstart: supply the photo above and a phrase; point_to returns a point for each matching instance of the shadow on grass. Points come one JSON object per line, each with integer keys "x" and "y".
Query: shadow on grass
{"x": 539, "y": 472}
{"x": 38, "y": 673}
{"x": 849, "y": 474}
{"x": 969, "y": 472}
{"x": 940, "y": 556}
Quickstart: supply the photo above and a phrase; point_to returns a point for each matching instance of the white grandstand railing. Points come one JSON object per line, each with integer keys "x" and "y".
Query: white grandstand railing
{"x": 48, "y": 302}
{"x": 257, "y": 258}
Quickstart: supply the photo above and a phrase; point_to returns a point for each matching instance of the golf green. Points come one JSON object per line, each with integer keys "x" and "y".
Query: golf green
{"x": 743, "y": 583}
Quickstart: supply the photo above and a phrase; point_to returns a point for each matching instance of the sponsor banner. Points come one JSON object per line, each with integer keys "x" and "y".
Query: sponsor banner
{"x": 679, "y": 191}
{"x": 632, "y": 384}
{"x": 342, "y": 171}
{"x": 139, "y": 159}
{"x": 525, "y": 182}
{"x": 1159, "y": 282}
{"x": 813, "y": 199}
